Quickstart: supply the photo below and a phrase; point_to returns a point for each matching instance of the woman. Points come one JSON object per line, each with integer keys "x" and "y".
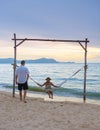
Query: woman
{"x": 48, "y": 86}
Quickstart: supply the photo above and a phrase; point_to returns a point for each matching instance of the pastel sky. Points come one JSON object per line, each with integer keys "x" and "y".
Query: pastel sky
{"x": 55, "y": 19}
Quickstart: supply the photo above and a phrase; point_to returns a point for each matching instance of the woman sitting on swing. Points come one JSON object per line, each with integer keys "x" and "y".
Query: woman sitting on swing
{"x": 48, "y": 88}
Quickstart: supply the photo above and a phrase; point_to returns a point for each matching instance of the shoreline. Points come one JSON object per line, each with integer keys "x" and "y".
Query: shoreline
{"x": 63, "y": 99}
{"x": 63, "y": 92}
{"x": 40, "y": 114}
{"x": 45, "y": 97}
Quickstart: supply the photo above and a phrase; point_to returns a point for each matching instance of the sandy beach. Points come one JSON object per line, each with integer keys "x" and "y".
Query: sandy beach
{"x": 39, "y": 114}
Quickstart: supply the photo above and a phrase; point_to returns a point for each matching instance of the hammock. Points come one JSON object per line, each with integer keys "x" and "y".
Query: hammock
{"x": 43, "y": 88}
{"x": 61, "y": 82}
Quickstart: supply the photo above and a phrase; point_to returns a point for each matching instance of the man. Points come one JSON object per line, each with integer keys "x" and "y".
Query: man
{"x": 22, "y": 76}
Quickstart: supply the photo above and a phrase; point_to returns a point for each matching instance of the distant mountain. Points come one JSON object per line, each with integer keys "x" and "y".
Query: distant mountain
{"x": 6, "y": 60}
{"x": 41, "y": 60}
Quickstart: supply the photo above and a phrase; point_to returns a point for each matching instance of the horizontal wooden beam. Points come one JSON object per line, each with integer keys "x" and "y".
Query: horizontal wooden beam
{"x": 52, "y": 40}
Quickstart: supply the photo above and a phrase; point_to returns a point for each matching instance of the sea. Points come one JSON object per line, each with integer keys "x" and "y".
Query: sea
{"x": 59, "y": 72}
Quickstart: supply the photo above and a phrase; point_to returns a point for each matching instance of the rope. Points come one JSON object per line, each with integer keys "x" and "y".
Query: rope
{"x": 34, "y": 81}
{"x": 70, "y": 77}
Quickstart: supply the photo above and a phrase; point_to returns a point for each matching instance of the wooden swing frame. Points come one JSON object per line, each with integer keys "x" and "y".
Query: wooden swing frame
{"x": 22, "y": 40}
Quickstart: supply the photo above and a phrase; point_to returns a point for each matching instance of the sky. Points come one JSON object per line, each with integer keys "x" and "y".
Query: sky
{"x": 50, "y": 19}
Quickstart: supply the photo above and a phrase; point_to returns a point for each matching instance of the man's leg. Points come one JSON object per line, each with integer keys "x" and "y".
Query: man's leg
{"x": 20, "y": 94}
{"x": 20, "y": 91}
{"x": 25, "y": 88}
{"x": 25, "y": 92}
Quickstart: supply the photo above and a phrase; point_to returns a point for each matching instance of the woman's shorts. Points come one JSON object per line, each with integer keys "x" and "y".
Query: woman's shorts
{"x": 48, "y": 90}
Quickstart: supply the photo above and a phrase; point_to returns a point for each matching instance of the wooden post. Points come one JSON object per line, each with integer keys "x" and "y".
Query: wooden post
{"x": 14, "y": 65}
{"x": 85, "y": 70}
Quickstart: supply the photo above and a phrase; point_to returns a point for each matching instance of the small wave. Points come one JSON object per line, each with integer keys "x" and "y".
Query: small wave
{"x": 55, "y": 72}
{"x": 70, "y": 79}
{"x": 93, "y": 80}
{"x": 98, "y": 76}
{"x": 3, "y": 84}
{"x": 75, "y": 79}
{"x": 78, "y": 93}
{"x": 93, "y": 95}
{"x": 60, "y": 78}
